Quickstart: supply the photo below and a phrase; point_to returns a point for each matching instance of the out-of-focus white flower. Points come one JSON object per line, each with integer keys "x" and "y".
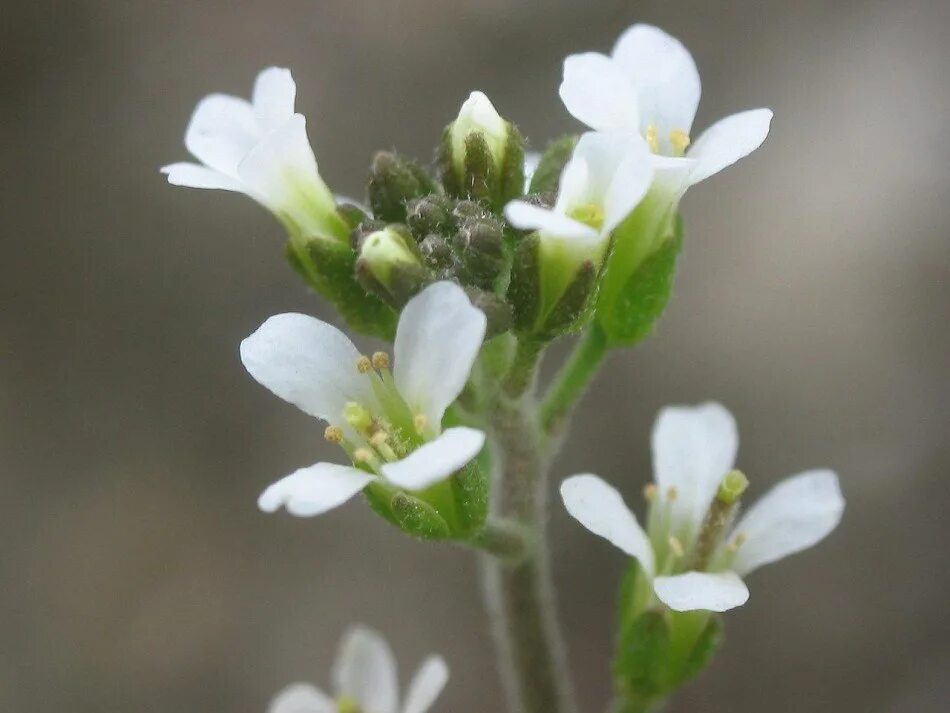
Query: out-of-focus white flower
{"x": 649, "y": 85}
{"x": 389, "y": 422}
{"x": 260, "y": 148}
{"x": 694, "y": 449}
{"x": 365, "y": 681}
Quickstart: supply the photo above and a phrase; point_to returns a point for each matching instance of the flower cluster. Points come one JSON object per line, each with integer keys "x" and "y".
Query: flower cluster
{"x": 471, "y": 267}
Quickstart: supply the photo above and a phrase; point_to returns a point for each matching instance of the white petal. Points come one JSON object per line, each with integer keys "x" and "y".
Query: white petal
{"x": 712, "y": 591}
{"x": 532, "y": 159}
{"x": 728, "y": 140}
{"x": 314, "y": 490}
{"x": 308, "y": 363}
{"x": 435, "y": 460}
{"x": 665, "y": 77}
{"x": 596, "y": 92}
{"x": 426, "y": 685}
{"x": 274, "y": 96}
{"x": 693, "y": 448}
{"x": 574, "y": 185}
{"x": 532, "y": 217}
{"x": 629, "y": 184}
{"x": 365, "y": 670}
{"x": 222, "y": 130}
{"x": 437, "y": 340}
{"x": 601, "y": 509}
{"x": 194, "y": 175}
{"x": 282, "y": 171}
{"x": 301, "y": 698}
{"x": 796, "y": 514}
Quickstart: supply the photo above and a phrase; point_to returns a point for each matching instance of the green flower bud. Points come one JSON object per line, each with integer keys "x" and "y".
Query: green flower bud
{"x": 390, "y": 267}
{"x": 481, "y": 250}
{"x": 393, "y": 182}
{"x": 497, "y": 311}
{"x": 351, "y": 214}
{"x": 555, "y": 157}
{"x": 481, "y": 155}
{"x": 362, "y": 231}
{"x": 431, "y": 214}
{"x": 437, "y": 255}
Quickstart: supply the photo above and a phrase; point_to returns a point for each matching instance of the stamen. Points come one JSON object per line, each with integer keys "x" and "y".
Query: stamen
{"x": 333, "y": 434}
{"x": 419, "y": 422}
{"x": 650, "y": 491}
{"x": 364, "y": 365}
{"x": 365, "y": 455}
{"x": 379, "y": 438}
{"x": 676, "y": 546}
{"x": 651, "y": 139}
{"x": 380, "y": 360}
{"x": 680, "y": 141}
{"x": 737, "y": 542}
{"x": 672, "y": 493}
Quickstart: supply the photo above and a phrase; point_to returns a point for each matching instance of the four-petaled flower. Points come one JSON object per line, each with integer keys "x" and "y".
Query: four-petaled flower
{"x": 365, "y": 681}
{"x": 260, "y": 148}
{"x": 389, "y": 422}
{"x": 693, "y": 559}
{"x": 649, "y": 86}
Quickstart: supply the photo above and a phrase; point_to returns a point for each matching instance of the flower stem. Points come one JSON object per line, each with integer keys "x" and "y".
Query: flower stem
{"x": 519, "y": 595}
{"x": 573, "y": 379}
{"x": 504, "y": 539}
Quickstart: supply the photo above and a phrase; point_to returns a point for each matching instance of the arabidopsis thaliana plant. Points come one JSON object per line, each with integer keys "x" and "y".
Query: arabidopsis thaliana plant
{"x": 260, "y": 148}
{"x": 694, "y": 448}
{"x": 649, "y": 86}
{"x": 478, "y": 115}
{"x": 365, "y": 681}
{"x": 389, "y": 422}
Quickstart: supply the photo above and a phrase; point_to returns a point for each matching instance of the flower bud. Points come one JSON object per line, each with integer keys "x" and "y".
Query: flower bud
{"x": 393, "y": 182}
{"x": 480, "y": 247}
{"x": 431, "y": 214}
{"x": 482, "y": 155}
{"x": 389, "y": 266}
{"x": 362, "y": 231}
{"x": 497, "y": 311}
{"x": 437, "y": 255}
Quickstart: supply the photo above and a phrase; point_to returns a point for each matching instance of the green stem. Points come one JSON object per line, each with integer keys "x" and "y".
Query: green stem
{"x": 521, "y": 373}
{"x": 504, "y": 539}
{"x": 573, "y": 379}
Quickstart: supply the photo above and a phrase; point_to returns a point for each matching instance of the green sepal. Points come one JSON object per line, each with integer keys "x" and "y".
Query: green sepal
{"x": 379, "y": 495}
{"x": 629, "y": 314}
{"x": 329, "y": 268}
{"x": 548, "y": 173}
{"x": 470, "y": 487}
{"x": 451, "y": 181}
{"x": 524, "y": 290}
{"x": 511, "y": 180}
{"x": 418, "y": 518}
{"x": 572, "y": 309}
{"x": 480, "y": 172}
{"x": 393, "y": 182}
{"x": 704, "y": 649}
{"x": 643, "y": 656}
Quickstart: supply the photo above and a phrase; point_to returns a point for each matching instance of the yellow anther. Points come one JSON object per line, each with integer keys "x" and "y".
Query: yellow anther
{"x": 652, "y": 141}
{"x": 672, "y": 493}
{"x": 738, "y": 541}
{"x": 419, "y": 421}
{"x": 380, "y": 360}
{"x": 676, "y": 547}
{"x": 379, "y": 438}
{"x": 650, "y": 491}
{"x": 680, "y": 141}
{"x": 333, "y": 434}
{"x": 364, "y": 365}
{"x": 363, "y": 455}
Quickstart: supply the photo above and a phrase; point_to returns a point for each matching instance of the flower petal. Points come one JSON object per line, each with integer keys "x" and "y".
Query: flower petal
{"x": 301, "y": 698}
{"x": 693, "y": 448}
{"x": 194, "y": 175}
{"x": 282, "y": 171}
{"x": 222, "y": 130}
{"x": 532, "y": 159}
{"x": 596, "y": 93}
{"x": 630, "y": 182}
{"x": 435, "y": 460}
{"x": 426, "y": 685}
{"x": 308, "y": 363}
{"x": 601, "y": 509}
{"x": 437, "y": 340}
{"x": 665, "y": 77}
{"x": 273, "y": 97}
{"x": 728, "y": 140}
{"x": 794, "y": 515}
{"x": 712, "y": 591}
{"x": 365, "y": 670}
{"x": 314, "y": 490}
{"x": 532, "y": 217}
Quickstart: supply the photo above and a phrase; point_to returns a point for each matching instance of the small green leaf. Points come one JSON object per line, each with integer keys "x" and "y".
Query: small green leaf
{"x": 548, "y": 172}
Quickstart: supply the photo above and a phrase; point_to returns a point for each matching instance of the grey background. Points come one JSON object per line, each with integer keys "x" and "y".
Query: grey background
{"x": 135, "y": 571}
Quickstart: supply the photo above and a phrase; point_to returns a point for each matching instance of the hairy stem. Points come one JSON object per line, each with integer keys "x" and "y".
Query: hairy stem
{"x": 520, "y": 595}
{"x": 572, "y": 380}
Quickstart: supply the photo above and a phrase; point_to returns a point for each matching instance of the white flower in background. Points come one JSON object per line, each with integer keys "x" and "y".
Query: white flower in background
{"x": 390, "y": 423}
{"x": 260, "y": 148}
{"x": 607, "y": 175}
{"x": 693, "y": 558}
{"x": 649, "y": 85}
{"x": 365, "y": 681}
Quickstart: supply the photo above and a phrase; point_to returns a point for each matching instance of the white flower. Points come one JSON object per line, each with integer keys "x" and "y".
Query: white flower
{"x": 260, "y": 148}
{"x": 693, "y": 449}
{"x": 365, "y": 681}
{"x": 649, "y": 85}
{"x": 607, "y": 175}
{"x": 478, "y": 115}
{"x": 390, "y": 423}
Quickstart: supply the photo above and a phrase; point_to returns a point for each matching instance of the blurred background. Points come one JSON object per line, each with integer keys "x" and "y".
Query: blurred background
{"x": 136, "y": 573}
